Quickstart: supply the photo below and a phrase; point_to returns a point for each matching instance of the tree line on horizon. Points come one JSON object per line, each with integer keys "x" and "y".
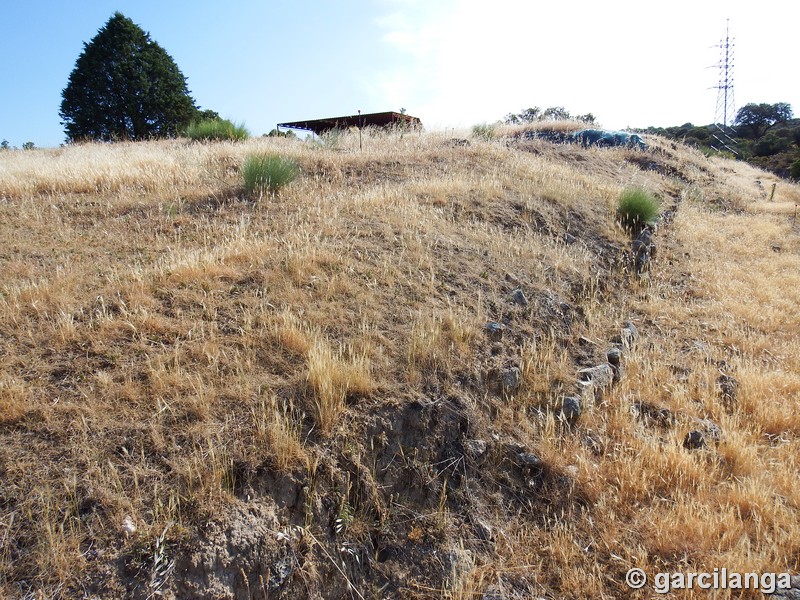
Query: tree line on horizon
{"x": 765, "y": 135}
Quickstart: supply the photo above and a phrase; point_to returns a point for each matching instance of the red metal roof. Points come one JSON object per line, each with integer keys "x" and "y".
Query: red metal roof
{"x": 382, "y": 119}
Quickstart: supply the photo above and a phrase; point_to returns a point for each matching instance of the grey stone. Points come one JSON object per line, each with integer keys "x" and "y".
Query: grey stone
{"x": 728, "y": 388}
{"x": 643, "y": 249}
{"x": 614, "y": 356}
{"x": 694, "y": 440}
{"x": 529, "y": 460}
{"x": 571, "y": 409}
{"x": 628, "y": 336}
{"x": 476, "y": 448}
{"x": 512, "y": 379}
{"x": 792, "y": 593}
{"x": 495, "y": 330}
{"x": 280, "y": 571}
{"x": 601, "y": 375}
{"x": 710, "y": 429}
{"x": 595, "y": 381}
{"x": 518, "y": 296}
{"x": 706, "y": 432}
{"x": 652, "y": 414}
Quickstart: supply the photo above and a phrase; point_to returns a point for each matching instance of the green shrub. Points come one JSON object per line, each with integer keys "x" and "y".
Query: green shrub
{"x": 268, "y": 173}
{"x": 637, "y": 208}
{"x": 794, "y": 169}
{"x": 216, "y": 129}
{"x": 483, "y": 131}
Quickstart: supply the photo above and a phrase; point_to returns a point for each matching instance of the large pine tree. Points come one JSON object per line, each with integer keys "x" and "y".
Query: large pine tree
{"x": 125, "y": 87}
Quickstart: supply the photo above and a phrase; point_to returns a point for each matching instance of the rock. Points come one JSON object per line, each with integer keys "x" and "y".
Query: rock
{"x": 627, "y": 337}
{"x": 614, "y": 356}
{"x": 518, "y": 297}
{"x": 706, "y": 432}
{"x": 694, "y": 440}
{"x": 279, "y": 572}
{"x": 651, "y": 413}
{"x": 529, "y": 460}
{"x": 569, "y": 239}
{"x": 128, "y": 526}
{"x": 643, "y": 250}
{"x": 601, "y": 375}
{"x": 476, "y": 449}
{"x": 710, "y": 429}
{"x": 595, "y": 380}
{"x": 791, "y": 593}
{"x": 728, "y": 388}
{"x": 570, "y": 409}
{"x": 492, "y": 593}
{"x": 594, "y": 442}
{"x": 495, "y": 330}
{"x": 512, "y": 379}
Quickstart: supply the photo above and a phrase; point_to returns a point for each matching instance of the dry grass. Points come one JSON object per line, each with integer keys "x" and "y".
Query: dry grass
{"x": 174, "y": 353}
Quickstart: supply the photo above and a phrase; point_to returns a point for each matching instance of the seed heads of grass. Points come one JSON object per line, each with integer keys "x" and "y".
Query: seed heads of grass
{"x": 268, "y": 173}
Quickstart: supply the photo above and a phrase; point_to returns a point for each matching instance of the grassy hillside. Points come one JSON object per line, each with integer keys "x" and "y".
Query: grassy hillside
{"x": 207, "y": 395}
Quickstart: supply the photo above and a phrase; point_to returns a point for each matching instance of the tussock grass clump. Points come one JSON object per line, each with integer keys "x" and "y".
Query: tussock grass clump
{"x": 332, "y": 377}
{"x": 268, "y": 173}
{"x": 484, "y": 131}
{"x": 216, "y": 129}
{"x": 637, "y": 208}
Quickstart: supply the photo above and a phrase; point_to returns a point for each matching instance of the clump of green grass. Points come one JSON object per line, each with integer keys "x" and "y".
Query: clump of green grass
{"x": 268, "y": 173}
{"x": 216, "y": 129}
{"x": 484, "y": 131}
{"x": 637, "y": 208}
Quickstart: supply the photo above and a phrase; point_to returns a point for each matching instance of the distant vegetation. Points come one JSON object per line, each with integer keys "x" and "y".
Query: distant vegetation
{"x": 554, "y": 113}
{"x": 765, "y": 135}
{"x": 4, "y": 145}
{"x": 125, "y": 87}
{"x": 483, "y": 131}
{"x": 216, "y": 129}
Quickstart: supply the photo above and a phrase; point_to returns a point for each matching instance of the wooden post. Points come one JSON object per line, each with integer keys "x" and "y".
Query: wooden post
{"x": 772, "y": 193}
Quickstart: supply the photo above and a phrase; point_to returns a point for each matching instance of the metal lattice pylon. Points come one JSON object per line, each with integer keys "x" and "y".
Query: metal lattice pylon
{"x": 725, "y": 112}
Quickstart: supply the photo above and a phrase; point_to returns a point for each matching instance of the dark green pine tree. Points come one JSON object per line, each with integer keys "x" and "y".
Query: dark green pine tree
{"x": 125, "y": 87}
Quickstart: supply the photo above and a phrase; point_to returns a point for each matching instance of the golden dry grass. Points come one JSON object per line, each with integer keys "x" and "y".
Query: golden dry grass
{"x": 172, "y": 352}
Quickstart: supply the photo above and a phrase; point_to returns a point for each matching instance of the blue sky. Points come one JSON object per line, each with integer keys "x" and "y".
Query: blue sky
{"x": 453, "y": 63}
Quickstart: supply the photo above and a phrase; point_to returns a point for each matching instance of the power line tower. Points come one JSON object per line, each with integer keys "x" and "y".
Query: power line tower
{"x": 723, "y": 134}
